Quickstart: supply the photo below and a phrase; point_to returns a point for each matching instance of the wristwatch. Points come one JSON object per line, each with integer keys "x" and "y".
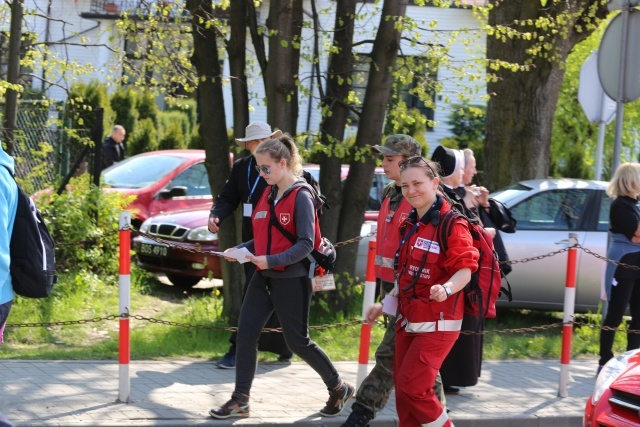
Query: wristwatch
{"x": 447, "y": 289}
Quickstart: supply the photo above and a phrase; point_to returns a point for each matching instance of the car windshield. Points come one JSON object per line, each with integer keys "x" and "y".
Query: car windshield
{"x": 140, "y": 171}
{"x": 506, "y": 194}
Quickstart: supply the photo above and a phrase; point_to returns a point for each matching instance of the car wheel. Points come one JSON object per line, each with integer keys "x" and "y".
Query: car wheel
{"x": 183, "y": 281}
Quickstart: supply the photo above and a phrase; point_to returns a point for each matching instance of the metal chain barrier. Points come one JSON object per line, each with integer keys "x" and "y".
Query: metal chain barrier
{"x": 199, "y": 251}
{"x": 531, "y": 329}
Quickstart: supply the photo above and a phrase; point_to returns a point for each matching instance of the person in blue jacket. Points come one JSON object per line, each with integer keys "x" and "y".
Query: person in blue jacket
{"x": 8, "y": 206}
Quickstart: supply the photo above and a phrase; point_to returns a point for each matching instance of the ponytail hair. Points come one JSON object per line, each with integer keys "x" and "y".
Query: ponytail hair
{"x": 283, "y": 148}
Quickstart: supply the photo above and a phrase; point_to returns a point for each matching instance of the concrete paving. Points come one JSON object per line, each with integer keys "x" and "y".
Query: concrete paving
{"x": 510, "y": 393}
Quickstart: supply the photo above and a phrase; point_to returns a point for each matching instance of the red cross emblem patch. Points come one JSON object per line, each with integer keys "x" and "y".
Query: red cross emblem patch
{"x": 285, "y": 218}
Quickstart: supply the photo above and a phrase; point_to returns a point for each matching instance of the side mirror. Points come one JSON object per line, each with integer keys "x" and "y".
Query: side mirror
{"x": 177, "y": 191}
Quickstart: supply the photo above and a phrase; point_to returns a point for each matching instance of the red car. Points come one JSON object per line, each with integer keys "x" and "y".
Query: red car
{"x": 189, "y": 228}
{"x": 615, "y": 401}
{"x": 163, "y": 181}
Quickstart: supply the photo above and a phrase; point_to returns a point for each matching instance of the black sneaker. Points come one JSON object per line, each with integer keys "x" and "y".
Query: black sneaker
{"x": 228, "y": 361}
{"x": 357, "y": 418}
{"x": 338, "y": 399}
{"x": 237, "y": 406}
{"x": 286, "y": 357}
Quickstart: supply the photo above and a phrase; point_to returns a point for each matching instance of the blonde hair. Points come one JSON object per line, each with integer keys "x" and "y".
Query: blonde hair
{"x": 283, "y": 148}
{"x": 626, "y": 181}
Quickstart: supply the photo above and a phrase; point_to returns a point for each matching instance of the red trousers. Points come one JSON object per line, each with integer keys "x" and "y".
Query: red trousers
{"x": 417, "y": 362}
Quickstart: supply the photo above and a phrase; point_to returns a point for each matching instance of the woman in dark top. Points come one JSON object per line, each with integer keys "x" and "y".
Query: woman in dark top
{"x": 622, "y": 284}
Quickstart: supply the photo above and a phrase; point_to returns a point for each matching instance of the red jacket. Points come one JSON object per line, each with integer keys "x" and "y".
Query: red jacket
{"x": 388, "y": 238}
{"x": 422, "y": 264}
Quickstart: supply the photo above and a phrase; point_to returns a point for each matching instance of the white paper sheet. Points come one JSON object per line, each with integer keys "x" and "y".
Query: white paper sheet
{"x": 238, "y": 254}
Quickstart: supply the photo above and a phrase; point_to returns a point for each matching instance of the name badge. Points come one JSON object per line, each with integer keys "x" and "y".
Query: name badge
{"x": 427, "y": 245}
{"x": 247, "y": 209}
{"x": 261, "y": 214}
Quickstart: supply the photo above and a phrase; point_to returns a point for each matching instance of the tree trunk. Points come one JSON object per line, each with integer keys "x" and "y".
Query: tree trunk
{"x": 333, "y": 126}
{"x": 236, "y": 50}
{"x": 284, "y": 28}
{"x": 356, "y": 189}
{"x": 522, "y": 104}
{"x": 213, "y": 131}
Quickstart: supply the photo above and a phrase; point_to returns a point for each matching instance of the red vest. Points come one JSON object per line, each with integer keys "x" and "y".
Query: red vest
{"x": 388, "y": 238}
{"x": 267, "y": 239}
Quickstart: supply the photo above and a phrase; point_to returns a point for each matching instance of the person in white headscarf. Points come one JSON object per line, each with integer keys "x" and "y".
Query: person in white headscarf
{"x": 461, "y": 367}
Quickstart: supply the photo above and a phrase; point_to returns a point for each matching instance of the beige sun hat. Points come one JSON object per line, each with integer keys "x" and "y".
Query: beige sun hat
{"x": 257, "y": 130}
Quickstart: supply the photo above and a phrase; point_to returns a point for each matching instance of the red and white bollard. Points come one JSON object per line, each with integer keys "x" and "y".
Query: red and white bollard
{"x": 569, "y": 308}
{"x": 367, "y": 301}
{"x": 124, "y": 347}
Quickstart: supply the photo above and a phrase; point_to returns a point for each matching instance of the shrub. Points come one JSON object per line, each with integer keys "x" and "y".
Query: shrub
{"x": 83, "y": 100}
{"x": 144, "y": 138}
{"x": 123, "y": 103}
{"x": 147, "y": 108}
{"x": 174, "y": 128}
{"x": 84, "y": 224}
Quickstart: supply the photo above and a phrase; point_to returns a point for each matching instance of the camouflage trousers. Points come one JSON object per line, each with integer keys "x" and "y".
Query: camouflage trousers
{"x": 376, "y": 388}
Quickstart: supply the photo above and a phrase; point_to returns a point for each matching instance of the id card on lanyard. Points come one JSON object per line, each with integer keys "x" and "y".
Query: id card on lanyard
{"x": 247, "y": 208}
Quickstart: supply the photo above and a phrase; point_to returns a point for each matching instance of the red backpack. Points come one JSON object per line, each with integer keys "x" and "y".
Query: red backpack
{"x": 485, "y": 286}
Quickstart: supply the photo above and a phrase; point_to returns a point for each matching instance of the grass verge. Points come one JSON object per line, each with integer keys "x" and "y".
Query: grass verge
{"x": 89, "y": 297}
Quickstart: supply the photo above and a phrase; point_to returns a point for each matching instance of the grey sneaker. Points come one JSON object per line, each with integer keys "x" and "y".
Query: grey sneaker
{"x": 237, "y": 406}
{"x": 338, "y": 399}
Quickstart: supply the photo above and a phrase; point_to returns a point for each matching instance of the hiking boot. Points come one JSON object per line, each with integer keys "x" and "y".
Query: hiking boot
{"x": 357, "y": 418}
{"x": 238, "y": 407}
{"x": 338, "y": 398}
{"x": 228, "y": 361}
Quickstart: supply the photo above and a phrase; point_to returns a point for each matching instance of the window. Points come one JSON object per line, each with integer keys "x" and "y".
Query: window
{"x": 551, "y": 210}
{"x": 603, "y": 216}
{"x": 195, "y": 179}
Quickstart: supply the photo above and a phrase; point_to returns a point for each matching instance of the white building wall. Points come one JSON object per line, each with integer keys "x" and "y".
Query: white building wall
{"x": 86, "y": 36}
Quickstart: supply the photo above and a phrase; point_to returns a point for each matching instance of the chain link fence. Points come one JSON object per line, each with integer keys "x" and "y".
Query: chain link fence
{"x": 45, "y": 153}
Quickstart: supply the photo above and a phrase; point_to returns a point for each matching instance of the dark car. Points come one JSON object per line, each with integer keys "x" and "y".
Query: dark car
{"x": 189, "y": 228}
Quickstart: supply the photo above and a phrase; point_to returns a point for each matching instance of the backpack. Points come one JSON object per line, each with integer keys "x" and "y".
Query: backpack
{"x": 33, "y": 271}
{"x": 323, "y": 256}
{"x": 485, "y": 286}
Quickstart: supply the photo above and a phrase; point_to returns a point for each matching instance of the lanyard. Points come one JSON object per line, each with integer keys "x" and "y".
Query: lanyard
{"x": 255, "y": 184}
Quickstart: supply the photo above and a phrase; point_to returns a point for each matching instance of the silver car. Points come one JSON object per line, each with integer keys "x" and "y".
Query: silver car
{"x": 547, "y": 210}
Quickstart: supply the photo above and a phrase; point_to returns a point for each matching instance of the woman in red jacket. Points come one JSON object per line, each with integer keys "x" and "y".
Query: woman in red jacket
{"x": 428, "y": 285}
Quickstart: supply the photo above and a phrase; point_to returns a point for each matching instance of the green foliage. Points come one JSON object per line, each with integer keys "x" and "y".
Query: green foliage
{"x": 408, "y": 121}
{"x": 83, "y": 100}
{"x": 147, "y": 108}
{"x": 189, "y": 108}
{"x": 172, "y": 133}
{"x": 144, "y": 138}
{"x": 123, "y": 103}
{"x": 84, "y": 224}
{"x": 467, "y": 124}
{"x": 195, "y": 142}
{"x": 175, "y": 128}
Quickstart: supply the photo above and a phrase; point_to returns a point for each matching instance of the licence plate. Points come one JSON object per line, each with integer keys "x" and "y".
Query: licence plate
{"x": 154, "y": 250}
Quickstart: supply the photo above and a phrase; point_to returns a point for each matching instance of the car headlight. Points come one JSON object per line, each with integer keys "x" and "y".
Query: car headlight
{"x": 612, "y": 370}
{"x": 202, "y": 234}
{"x": 145, "y": 226}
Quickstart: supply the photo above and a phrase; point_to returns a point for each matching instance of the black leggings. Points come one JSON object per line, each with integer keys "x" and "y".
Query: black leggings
{"x": 625, "y": 294}
{"x": 290, "y": 298}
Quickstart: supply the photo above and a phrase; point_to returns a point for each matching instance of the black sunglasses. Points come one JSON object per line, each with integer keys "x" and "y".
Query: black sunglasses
{"x": 265, "y": 169}
{"x": 411, "y": 161}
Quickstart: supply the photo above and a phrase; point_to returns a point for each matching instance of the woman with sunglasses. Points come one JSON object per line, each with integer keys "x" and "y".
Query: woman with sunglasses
{"x": 427, "y": 289}
{"x": 281, "y": 282}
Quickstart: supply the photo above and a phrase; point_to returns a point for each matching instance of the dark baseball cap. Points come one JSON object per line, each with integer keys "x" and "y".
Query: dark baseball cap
{"x": 399, "y": 145}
